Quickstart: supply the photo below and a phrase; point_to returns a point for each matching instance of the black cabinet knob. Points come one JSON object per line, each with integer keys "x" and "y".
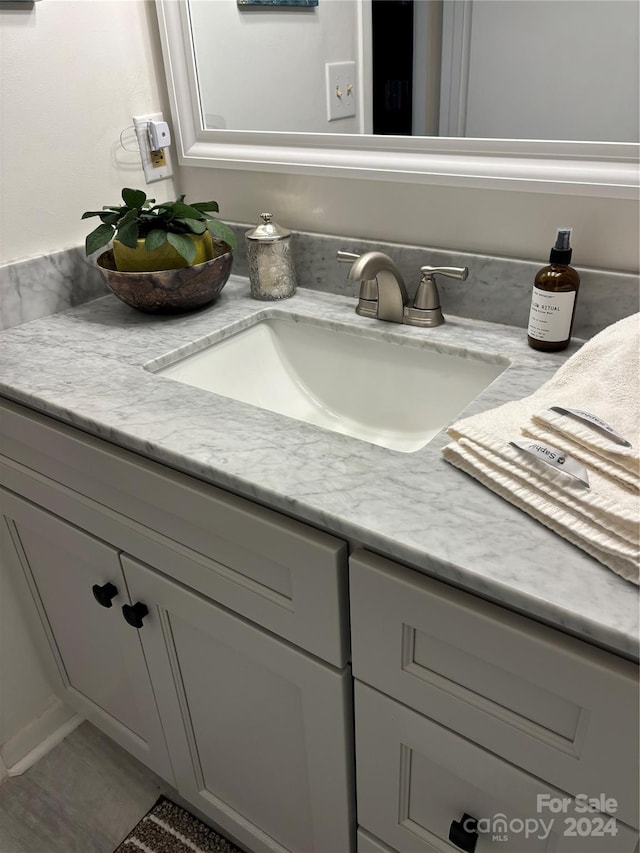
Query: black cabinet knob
{"x": 463, "y": 833}
{"x": 103, "y": 594}
{"x": 134, "y": 614}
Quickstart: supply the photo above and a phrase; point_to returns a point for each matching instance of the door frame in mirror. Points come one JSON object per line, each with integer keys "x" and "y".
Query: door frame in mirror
{"x": 605, "y": 169}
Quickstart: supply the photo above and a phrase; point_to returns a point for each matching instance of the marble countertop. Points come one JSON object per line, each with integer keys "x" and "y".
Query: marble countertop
{"x": 86, "y": 367}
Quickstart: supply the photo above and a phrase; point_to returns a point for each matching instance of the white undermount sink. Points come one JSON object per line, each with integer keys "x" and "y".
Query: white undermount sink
{"x": 395, "y": 394}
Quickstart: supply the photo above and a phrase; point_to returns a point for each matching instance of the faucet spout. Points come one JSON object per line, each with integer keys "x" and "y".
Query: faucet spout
{"x": 392, "y": 293}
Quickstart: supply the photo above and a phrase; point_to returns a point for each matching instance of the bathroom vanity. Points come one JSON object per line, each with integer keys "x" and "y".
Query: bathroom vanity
{"x": 325, "y": 644}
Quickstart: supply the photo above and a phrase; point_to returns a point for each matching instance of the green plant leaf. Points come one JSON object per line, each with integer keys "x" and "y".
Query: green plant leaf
{"x": 133, "y": 198}
{"x": 158, "y": 212}
{"x": 128, "y": 233}
{"x": 195, "y": 226}
{"x": 206, "y": 205}
{"x": 129, "y": 216}
{"x": 186, "y": 211}
{"x": 109, "y": 218}
{"x": 105, "y": 209}
{"x": 155, "y": 239}
{"x": 145, "y": 220}
{"x": 183, "y": 245}
{"x": 98, "y": 238}
{"x": 164, "y": 210}
{"x": 223, "y": 232}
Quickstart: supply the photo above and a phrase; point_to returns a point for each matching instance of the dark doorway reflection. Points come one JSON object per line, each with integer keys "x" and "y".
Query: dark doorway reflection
{"x": 392, "y": 49}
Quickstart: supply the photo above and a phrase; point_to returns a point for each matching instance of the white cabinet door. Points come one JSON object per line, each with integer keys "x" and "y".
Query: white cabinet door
{"x": 259, "y": 732}
{"x": 94, "y": 658}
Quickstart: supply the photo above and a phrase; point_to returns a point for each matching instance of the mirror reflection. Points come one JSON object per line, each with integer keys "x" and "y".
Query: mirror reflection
{"x": 506, "y": 69}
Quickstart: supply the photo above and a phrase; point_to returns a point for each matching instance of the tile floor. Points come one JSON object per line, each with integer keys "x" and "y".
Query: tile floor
{"x": 83, "y": 797}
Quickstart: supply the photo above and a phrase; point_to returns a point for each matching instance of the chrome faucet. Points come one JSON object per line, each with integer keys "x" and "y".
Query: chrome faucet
{"x": 383, "y": 294}
{"x": 382, "y": 290}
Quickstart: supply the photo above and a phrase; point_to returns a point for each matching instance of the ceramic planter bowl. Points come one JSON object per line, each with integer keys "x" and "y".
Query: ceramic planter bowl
{"x": 169, "y": 291}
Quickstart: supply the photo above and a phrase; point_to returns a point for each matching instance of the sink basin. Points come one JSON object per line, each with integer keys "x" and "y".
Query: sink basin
{"x": 395, "y": 393}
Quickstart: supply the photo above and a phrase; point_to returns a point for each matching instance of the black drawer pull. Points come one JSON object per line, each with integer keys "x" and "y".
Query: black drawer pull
{"x": 463, "y": 833}
{"x": 103, "y": 594}
{"x": 134, "y": 614}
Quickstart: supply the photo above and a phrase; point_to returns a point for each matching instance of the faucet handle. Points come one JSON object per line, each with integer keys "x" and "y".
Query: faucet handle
{"x": 427, "y": 296}
{"x": 426, "y": 311}
{"x": 453, "y": 272}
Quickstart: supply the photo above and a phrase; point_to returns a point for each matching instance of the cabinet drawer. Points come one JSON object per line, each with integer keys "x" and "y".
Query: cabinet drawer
{"x": 280, "y": 573}
{"x": 415, "y": 778}
{"x": 553, "y": 705}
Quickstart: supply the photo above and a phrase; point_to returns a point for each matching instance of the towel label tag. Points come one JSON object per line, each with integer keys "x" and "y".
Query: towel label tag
{"x": 558, "y": 459}
{"x": 595, "y": 421}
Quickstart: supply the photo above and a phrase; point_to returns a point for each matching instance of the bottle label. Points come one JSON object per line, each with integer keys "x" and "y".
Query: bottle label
{"x": 550, "y": 316}
{"x": 556, "y": 458}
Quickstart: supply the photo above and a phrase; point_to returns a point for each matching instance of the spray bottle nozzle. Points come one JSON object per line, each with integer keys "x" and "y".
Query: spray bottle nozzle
{"x": 561, "y": 252}
{"x": 563, "y": 239}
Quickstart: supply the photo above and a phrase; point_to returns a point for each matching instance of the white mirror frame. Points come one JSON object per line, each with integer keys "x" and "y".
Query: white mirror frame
{"x": 609, "y": 170}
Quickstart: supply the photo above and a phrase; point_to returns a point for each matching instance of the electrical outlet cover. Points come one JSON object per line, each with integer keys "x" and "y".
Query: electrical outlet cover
{"x": 152, "y": 173}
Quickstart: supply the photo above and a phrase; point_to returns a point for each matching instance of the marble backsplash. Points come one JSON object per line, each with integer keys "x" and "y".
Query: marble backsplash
{"x": 497, "y": 289}
{"x": 45, "y": 285}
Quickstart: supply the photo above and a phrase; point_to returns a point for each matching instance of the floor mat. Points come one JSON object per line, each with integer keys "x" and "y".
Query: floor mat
{"x": 167, "y": 828}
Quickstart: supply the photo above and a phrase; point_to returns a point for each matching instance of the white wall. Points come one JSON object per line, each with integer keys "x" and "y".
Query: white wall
{"x": 560, "y": 70}
{"x": 500, "y": 222}
{"x": 87, "y": 86}
{"x": 277, "y": 80}
{"x": 72, "y": 74}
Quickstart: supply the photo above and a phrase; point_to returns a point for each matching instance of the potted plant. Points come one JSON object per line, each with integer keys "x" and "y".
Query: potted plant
{"x": 148, "y": 236}
{"x": 171, "y": 256}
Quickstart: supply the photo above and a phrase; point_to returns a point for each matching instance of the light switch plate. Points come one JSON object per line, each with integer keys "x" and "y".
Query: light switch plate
{"x": 341, "y": 90}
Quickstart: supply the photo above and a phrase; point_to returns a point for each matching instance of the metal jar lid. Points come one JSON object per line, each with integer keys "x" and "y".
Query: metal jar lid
{"x": 267, "y": 231}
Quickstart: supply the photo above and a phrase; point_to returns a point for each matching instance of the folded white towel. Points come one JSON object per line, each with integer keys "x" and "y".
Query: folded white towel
{"x": 558, "y": 430}
{"x": 598, "y": 543}
{"x": 604, "y": 502}
{"x": 604, "y": 519}
{"x": 602, "y": 379}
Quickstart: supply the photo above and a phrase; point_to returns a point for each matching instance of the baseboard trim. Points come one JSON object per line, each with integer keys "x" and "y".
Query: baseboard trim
{"x": 38, "y": 738}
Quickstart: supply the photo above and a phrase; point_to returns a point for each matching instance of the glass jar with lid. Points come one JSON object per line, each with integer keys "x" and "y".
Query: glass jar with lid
{"x": 271, "y": 270}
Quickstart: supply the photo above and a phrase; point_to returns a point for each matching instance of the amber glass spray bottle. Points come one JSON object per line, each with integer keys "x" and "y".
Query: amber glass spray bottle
{"x": 553, "y": 301}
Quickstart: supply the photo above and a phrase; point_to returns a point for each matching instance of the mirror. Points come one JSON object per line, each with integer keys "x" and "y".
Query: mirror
{"x": 565, "y": 166}
{"x": 516, "y": 69}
